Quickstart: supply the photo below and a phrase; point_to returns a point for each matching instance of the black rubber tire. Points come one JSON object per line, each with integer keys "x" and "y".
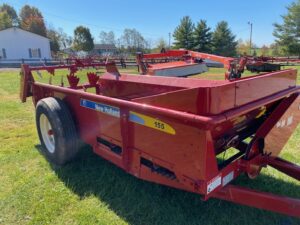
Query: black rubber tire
{"x": 63, "y": 128}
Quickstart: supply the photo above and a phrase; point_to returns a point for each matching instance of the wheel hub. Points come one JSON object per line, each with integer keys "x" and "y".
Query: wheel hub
{"x": 47, "y": 133}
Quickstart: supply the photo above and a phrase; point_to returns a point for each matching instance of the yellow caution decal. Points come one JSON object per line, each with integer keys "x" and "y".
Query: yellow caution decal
{"x": 151, "y": 122}
{"x": 238, "y": 120}
{"x": 262, "y": 112}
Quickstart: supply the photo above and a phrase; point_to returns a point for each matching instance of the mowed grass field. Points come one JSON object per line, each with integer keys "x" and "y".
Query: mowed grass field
{"x": 90, "y": 190}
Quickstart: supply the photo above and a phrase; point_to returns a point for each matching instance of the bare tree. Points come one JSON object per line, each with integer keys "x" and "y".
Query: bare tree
{"x": 107, "y": 37}
{"x": 65, "y": 41}
{"x": 161, "y": 43}
{"x": 133, "y": 40}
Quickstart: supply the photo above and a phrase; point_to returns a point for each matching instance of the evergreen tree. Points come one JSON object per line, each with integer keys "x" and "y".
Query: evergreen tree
{"x": 183, "y": 34}
{"x": 288, "y": 34}
{"x": 223, "y": 41}
{"x": 83, "y": 40}
{"x": 202, "y": 37}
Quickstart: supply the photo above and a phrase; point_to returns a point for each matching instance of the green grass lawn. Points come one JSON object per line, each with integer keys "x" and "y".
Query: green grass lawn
{"x": 90, "y": 190}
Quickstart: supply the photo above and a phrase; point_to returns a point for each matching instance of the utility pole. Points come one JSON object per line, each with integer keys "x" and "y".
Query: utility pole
{"x": 169, "y": 40}
{"x": 251, "y": 24}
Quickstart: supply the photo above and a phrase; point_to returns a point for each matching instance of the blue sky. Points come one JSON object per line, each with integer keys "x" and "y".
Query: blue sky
{"x": 156, "y": 18}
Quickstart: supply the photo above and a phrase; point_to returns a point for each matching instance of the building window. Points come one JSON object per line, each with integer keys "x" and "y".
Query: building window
{"x": 34, "y": 53}
{"x": 3, "y": 53}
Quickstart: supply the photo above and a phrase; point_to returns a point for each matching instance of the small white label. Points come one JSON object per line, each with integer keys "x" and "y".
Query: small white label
{"x": 290, "y": 120}
{"x": 285, "y": 122}
{"x": 227, "y": 178}
{"x": 214, "y": 183}
{"x": 278, "y": 124}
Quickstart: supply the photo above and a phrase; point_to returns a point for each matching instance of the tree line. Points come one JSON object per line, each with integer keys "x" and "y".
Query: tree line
{"x": 221, "y": 41}
{"x": 31, "y": 19}
{"x": 130, "y": 41}
{"x": 199, "y": 37}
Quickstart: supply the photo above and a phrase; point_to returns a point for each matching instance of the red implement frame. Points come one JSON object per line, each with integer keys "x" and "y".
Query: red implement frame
{"x": 171, "y": 130}
{"x": 279, "y": 60}
{"x": 234, "y": 66}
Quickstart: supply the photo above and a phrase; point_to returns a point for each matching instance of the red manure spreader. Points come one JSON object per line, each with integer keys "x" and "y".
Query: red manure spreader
{"x": 172, "y": 130}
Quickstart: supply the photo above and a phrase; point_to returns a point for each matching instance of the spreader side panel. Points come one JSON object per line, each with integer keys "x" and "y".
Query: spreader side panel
{"x": 185, "y": 148}
{"x": 252, "y": 89}
{"x": 281, "y": 132}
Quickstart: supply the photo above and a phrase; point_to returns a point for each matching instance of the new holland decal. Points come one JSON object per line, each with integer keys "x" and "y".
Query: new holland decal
{"x": 107, "y": 109}
{"x": 133, "y": 116}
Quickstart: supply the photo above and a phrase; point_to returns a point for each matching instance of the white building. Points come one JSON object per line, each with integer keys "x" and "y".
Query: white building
{"x": 16, "y": 44}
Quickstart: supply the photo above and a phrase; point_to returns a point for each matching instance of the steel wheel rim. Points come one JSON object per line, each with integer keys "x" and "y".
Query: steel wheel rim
{"x": 47, "y": 133}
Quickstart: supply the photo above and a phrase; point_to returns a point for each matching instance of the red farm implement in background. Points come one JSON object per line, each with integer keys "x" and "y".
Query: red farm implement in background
{"x": 261, "y": 64}
{"x": 292, "y": 60}
{"x": 172, "y": 131}
{"x": 269, "y": 64}
{"x": 183, "y": 63}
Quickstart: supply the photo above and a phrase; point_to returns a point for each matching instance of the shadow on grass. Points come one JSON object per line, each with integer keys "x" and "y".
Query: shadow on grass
{"x": 141, "y": 202}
